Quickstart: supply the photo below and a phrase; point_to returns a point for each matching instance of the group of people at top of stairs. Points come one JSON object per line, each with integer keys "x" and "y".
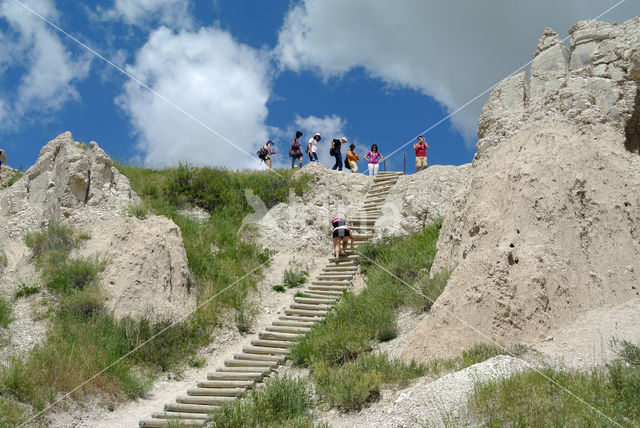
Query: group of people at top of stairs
{"x": 350, "y": 162}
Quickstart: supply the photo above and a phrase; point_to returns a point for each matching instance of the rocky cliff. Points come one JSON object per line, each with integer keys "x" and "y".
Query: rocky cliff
{"x": 546, "y": 225}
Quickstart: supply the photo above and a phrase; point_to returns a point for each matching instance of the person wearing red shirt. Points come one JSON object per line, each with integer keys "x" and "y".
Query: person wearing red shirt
{"x": 421, "y": 148}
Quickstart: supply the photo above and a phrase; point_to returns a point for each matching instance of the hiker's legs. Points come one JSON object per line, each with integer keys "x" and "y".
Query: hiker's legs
{"x": 293, "y": 162}
{"x": 354, "y": 166}
{"x": 300, "y": 159}
{"x": 268, "y": 162}
{"x": 315, "y": 156}
{"x": 335, "y": 165}
{"x": 336, "y": 246}
{"x": 339, "y": 161}
{"x": 345, "y": 242}
{"x": 376, "y": 166}
{"x": 371, "y": 169}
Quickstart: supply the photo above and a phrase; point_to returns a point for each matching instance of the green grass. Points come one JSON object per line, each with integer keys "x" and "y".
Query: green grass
{"x": 530, "y": 398}
{"x": 11, "y": 412}
{"x": 6, "y": 312}
{"x": 278, "y": 288}
{"x": 283, "y": 402}
{"x": 15, "y": 177}
{"x": 294, "y": 276}
{"x": 357, "y": 321}
{"x": 25, "y": 290}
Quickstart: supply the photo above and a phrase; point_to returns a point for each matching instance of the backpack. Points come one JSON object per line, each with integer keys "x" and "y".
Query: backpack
{"x": 346, "y": 163}
{"x": 262, "y": 153}
{"x": 332, "y": 152}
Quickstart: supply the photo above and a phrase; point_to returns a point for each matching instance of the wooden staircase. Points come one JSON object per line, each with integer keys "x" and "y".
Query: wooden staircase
{"x": 262, "y": 357}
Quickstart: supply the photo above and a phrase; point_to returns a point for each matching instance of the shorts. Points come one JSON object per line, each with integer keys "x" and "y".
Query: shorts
{"x": 421, "y": 162}
{"x": 354, "y": 166}
{"x": 340, "y": 233}
{"x": 298, "y": 156}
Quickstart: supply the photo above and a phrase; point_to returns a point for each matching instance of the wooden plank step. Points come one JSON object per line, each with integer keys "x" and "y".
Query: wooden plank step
{"x": 271, "y": 343}
{"x": 254, "y": 376}
{"x": 180, "y": 415}
{"x": 263, "y": 370}
{"x": 161, "y": 423}
{"x": 310, "y": 307}
{"x": 264, "y": 350}
{"x": 300, "y": 312}
{"x": 335, "y": 276}
{"x": 313, "y": 295}
{"x": 334, "y": 268}
{"x": 341, "y": 263}
{"x": 290, "y": 330}
{"x": 298, "y": 324}
{"x": 327, "y": 282}
{"x": 250, "y": 363}
{"x": 216, "y": 392}
{"x": 225, "y": 383}
{"x": 207, "y": 401}
{"x": 189, "y": 408}
{"x": 301, "y": 318}
{"x": 316, "y": 300}
{"x": 328, "y": 287}
{"x": 323, "y": 292}
{"x": 270, "y": 335}
{"x": 276, "y": 358}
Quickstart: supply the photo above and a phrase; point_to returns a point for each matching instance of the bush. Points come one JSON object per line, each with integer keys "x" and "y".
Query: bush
{"x": 26, "y": 290}
{"x": 56, "y": 239}
{"x": 294, "y": 276}
{"x": 284, "y": 402}
{"x": 6, "y": 312}
{"x": 11, "y": 412}
{"x": 278, "y": 288}
{"x": 523, "y": 399}
{"x": 64, "y": 275}
{"x": 346, "y": 387}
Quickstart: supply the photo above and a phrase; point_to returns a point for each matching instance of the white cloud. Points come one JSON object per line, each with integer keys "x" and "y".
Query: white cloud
{"x": 172, "y": 13}
{"x": 220, "y": 82}
{"x": 451, "y": 51}
{"x": 329, "y": 127}
{"x": 48, "y": 69}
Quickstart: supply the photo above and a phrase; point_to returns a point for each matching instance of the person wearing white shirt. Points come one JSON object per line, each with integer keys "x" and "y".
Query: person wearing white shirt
{"x": 312, "y": 147}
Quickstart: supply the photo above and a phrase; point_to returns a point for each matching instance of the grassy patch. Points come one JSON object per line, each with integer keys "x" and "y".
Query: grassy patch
{"x": 528, "y": 398}
{"x": 294, "y": 276}
{"x": 15, "y": 177}
{"x": 25, "y": 290}
{"x": 278, "y": 288}
{"x": 283, "y": 402}
{"x": 6, "y": 312}
{"x": 12, "y": 414}
{"x": 359, "y": 320}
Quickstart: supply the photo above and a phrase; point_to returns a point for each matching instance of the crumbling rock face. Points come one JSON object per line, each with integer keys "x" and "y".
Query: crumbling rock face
{"x": 147, "y": 274}
{"x": 70, "y": 182}
{"x": 546, "y": 225}
{"x": 305, "y": 222}
{"x": 417, "y": 200}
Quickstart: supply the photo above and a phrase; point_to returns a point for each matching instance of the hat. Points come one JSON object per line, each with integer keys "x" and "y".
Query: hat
{"x": 344, "y": 140}
{"x": 317, "y": 135}
{"x": 269, "y": 142}
{"x": 352, "y": 145}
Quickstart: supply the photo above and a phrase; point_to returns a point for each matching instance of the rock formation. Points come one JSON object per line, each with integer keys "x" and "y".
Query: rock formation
{"x": 546, "y": 226}
{"x": 70, "y": 182}
{"x": 147, "y": 273}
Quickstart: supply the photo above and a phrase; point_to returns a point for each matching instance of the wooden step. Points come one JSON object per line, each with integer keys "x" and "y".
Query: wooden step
{"x": 322, "y": 292}
{"x": 313, "y": 295}
{"x": 189, "y": 408}
{"x": 161, "y": 423}
{"x": 250, "y": 363}
{"x": 300, "y": 312}
{"x": 286, "y": 329}
{"x": 315, "y": 319}
{"x": 207, "y": 401}
{"x": 276, "y": 358}
{"x": 327, "y": 282}
{"x": 328, "y": 287}
{"x": 270, "y": 335}
{"x": 310, "y": 307}
{"x": 271, "y": 343}
{"x": 297, "y": 324}
{"x": 334, "y": 268}
{"x": 335, "y": 277}
{"x": 264, "y": 370}
{"x": 265, "y": 350}
{"x": 180, "y": 415}
{"x": 225, "y": 384}
{"x": 317, "y": 300}
{"x": 216, "y": 392}
{"x": 254, "y": 376}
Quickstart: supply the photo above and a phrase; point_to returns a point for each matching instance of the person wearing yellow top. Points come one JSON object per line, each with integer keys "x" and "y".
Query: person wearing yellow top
{"x": 352, "y": 158}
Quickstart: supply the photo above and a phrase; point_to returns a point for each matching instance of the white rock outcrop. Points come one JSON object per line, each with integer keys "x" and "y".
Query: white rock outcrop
{"x": 546, "y": 226}
{"x": 69, "y": 182}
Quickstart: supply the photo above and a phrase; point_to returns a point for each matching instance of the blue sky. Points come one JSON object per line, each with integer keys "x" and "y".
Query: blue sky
{"x": 236, "y": 73}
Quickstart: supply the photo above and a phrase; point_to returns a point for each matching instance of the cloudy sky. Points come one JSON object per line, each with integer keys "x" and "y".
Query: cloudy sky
{"x": 157, "y": 82}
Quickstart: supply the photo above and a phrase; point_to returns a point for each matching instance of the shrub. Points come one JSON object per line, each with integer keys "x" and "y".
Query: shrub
{"x": 139, "y": 210}
{"x": 284, "y": 401}
{"x": 56, "y": 238}
{"x": 346, "y": 386}
{"x": 628, "y": 352}
{"x": 294, "y": 276}
{"x": 278, "y": 288}
{"x": 11, "y": 413}
{"x": 64, "y": 275}
{"x": 6, "y": 312}
{"x": 26, "y": 290}
{"x": 245, "y": 315}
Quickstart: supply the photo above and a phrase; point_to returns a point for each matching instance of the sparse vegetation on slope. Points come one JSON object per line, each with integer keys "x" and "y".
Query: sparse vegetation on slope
{"x": 336, "y": 350}
{"x": 283, "y": 402}
{"x": 528, "y": 398}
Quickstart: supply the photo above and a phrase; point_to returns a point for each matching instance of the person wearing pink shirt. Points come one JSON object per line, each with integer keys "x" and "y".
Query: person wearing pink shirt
{"x": 374, "y": 158}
